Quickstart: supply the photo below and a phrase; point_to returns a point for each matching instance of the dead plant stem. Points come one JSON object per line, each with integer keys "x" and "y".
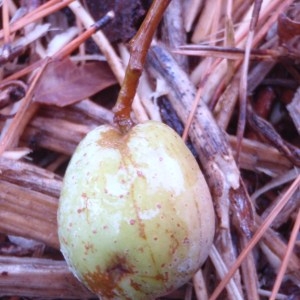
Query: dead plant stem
{"x": 110, "y": 54}
{"x": 139, "y": 48}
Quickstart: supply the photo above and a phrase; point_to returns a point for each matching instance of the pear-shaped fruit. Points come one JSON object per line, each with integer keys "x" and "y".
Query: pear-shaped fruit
{"x": 135, "y": 217}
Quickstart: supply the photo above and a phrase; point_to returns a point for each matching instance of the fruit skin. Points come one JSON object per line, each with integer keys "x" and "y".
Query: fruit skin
{"x": 135, "y": 217}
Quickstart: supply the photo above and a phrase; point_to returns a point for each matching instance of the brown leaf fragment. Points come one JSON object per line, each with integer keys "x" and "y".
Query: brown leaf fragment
{"x": 289, "y": 27}
{"x": 64, "y": 83}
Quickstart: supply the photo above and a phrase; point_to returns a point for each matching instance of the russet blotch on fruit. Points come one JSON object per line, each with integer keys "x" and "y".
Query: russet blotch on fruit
{"x": 135, "y": 216}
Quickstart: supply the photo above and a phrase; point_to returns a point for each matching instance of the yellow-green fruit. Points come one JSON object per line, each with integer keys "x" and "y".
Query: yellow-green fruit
{"x": 135, "y": 217}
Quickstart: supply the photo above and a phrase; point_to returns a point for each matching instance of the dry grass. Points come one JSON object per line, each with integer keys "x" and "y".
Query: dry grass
{"x": 230, "y": 88}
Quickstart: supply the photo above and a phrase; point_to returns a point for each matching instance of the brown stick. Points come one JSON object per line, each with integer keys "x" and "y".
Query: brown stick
{"x": 244, "y": 75}
{"x": 37, "y": 277}
{"x": 139, "y": 47}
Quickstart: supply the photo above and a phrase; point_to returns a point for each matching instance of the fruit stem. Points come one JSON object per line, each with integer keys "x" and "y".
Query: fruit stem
{"x": 139, "y": 46}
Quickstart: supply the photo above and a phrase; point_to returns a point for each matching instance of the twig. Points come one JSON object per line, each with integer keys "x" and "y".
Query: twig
{"x": 243, "y": 81}
{"x": 39, "y": 277}
{"x": 249, "y": 274}
{"x": 84, "y": 36}
{"x": 108, "y": 51}
{"x": 222, "y": 269}
{"x": 228, "y": 52}
{"x": 145, "y": 90}
{"x": 200, "y": 286}
{"x": 139, "y": 47}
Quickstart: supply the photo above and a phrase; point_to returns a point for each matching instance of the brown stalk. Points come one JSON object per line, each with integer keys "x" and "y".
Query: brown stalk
{"x": 45, "y": 278}
{"x": 139, "y": 46}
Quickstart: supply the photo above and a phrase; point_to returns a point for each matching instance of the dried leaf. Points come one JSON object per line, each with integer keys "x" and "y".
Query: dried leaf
{"x": 64, "y": 83}
{"x": 288, "y": 28}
